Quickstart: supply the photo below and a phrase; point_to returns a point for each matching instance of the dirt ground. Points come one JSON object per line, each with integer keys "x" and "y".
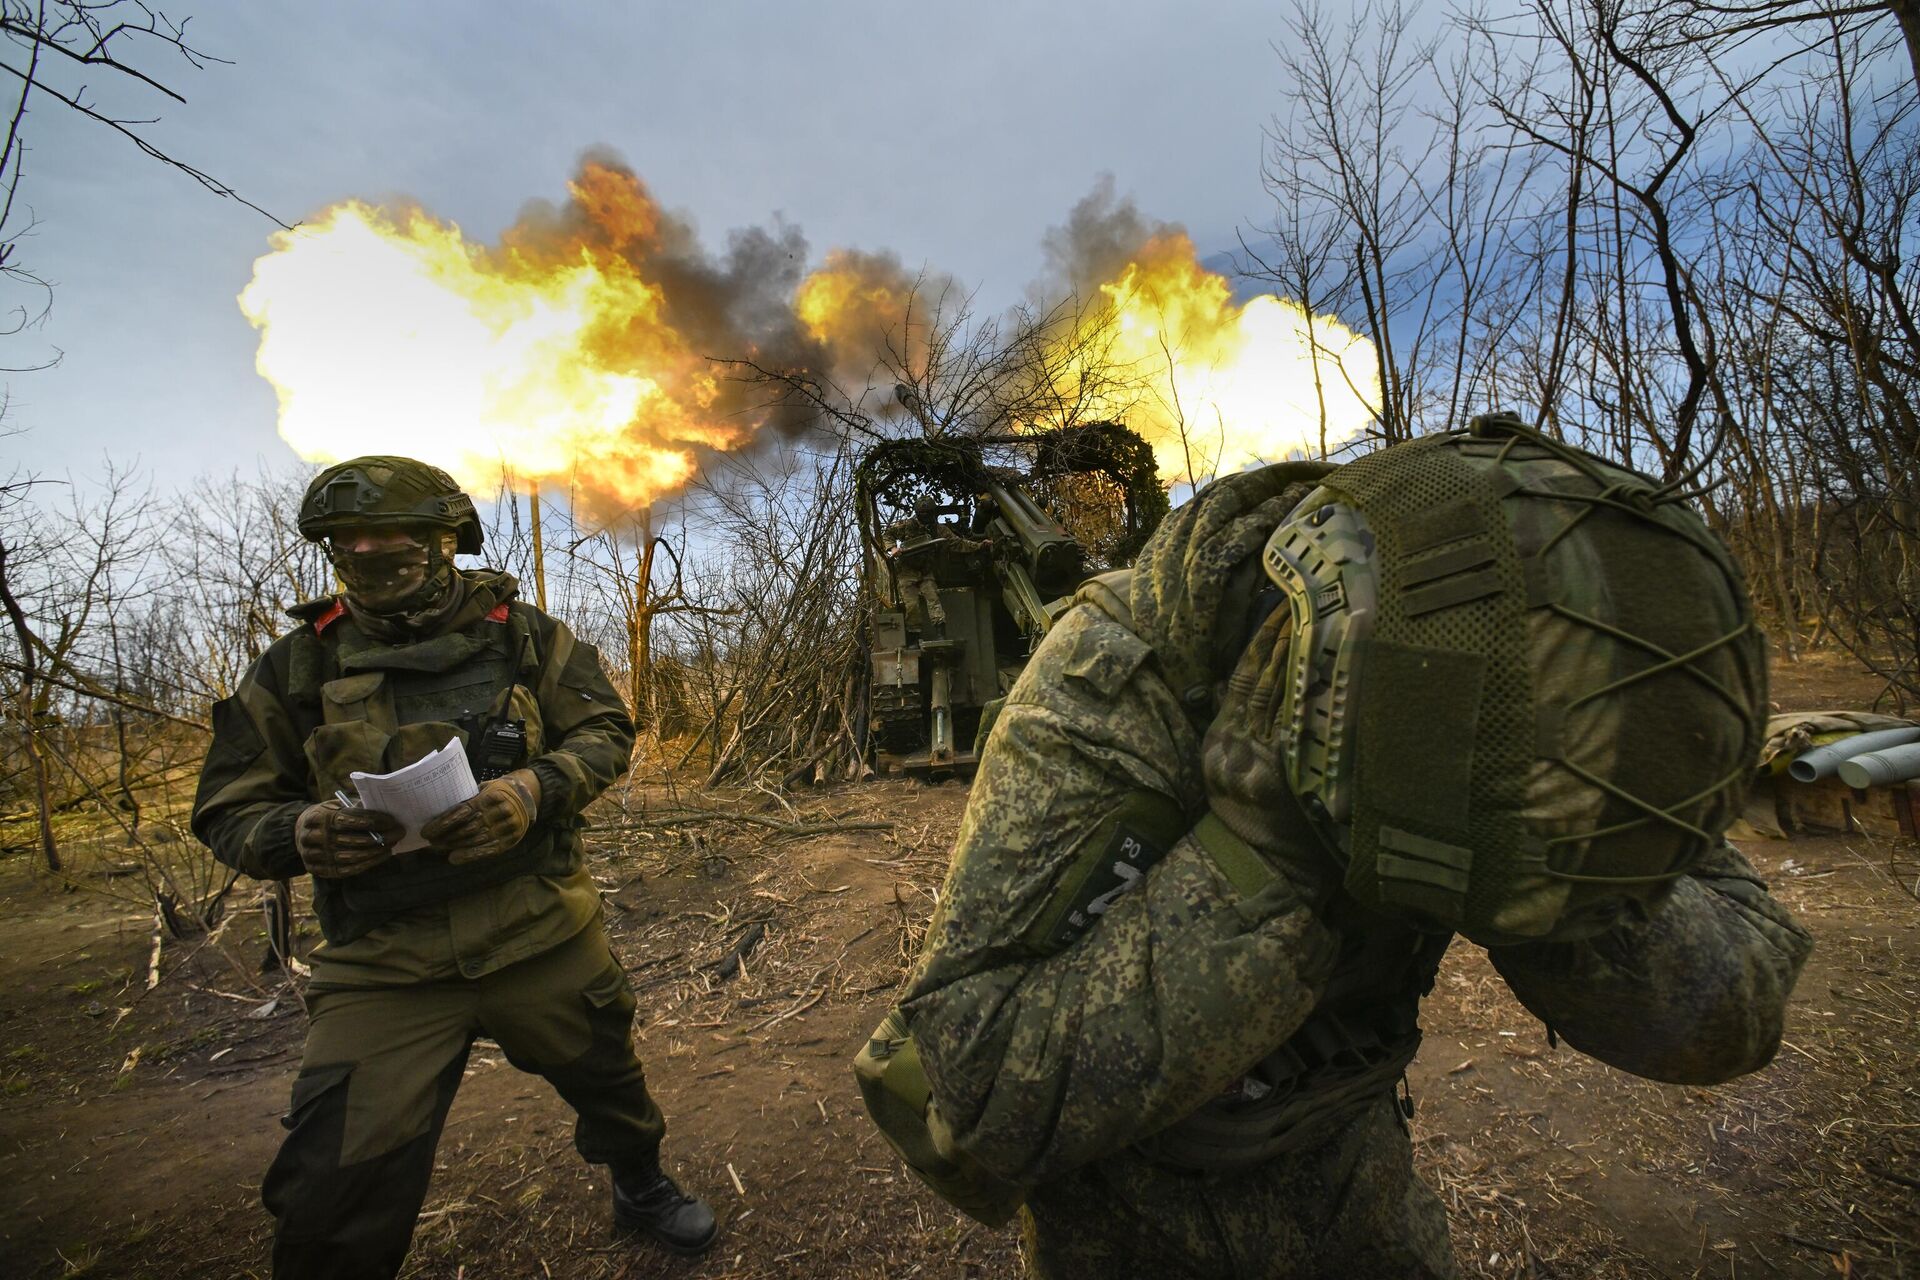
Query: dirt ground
{"x": 135, "y": 1125}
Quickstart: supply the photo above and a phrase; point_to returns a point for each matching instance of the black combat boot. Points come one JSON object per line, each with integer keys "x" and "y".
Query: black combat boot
{"x": 648, "y": 1200}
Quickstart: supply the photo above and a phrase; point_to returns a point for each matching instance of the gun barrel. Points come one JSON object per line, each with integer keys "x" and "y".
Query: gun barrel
{"x": 1824, "y": 762}
{"x": 1882, "y": 768}
{"x": 1025, "y": 602}
{"x": 1053, "y": 558}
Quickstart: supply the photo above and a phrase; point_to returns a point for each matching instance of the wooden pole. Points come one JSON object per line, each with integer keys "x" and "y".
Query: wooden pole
{"x": 640, "y": 630}
{"x": 539, "y": 552}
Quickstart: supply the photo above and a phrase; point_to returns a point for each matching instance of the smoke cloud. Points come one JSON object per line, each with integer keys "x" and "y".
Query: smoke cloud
{"x": 1104, "y": 232}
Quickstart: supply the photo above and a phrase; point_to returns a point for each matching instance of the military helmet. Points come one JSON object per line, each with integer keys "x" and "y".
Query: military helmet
{"x": 1526, "y": 688}
{"x": 380, "y": 489}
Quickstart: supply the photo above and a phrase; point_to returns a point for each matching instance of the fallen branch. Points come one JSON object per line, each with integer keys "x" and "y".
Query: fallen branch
{"x": 731, "y": 963}
{"x": 818, "y": 996}
{"x": 1837, "y": 1250}
{"x": 690, "y": 817}
{"x": 1900, "y": 1178}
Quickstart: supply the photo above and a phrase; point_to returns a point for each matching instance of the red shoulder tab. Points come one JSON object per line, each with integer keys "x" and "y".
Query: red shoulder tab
{"x": 331, "y": 616}
{"x": 498, "y": 613}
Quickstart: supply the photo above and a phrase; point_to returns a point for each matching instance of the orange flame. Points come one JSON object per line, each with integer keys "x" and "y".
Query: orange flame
{"x": 547, "y": 358}
{"x": 1214, "y": 385}
{"x": 853, "y": 301}
{"x": 575, "y": 350}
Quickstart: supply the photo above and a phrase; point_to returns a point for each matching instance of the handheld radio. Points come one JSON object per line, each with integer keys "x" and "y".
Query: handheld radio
{"x": 501, "y": 746}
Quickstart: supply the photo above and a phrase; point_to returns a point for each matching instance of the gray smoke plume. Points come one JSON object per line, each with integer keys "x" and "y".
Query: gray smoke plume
{"x": 739, "y": 304}
{"x": 1103, "y": 233}
{"x": 734, "y": 305}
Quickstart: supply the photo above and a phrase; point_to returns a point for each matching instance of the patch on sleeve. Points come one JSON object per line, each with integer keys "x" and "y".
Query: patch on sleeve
{"x": 1114, "y": 861}
{"x": 236, "y": 743}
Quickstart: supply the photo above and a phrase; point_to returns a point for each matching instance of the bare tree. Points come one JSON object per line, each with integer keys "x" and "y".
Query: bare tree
{"x": 62, "y": 51}
{"x": 1726, "y": 24}
{"x": 27, "y": 694}
{"x": 1680, "y": 234}
{"x": 1819, "y": 226}
{"x": 1394, "y": 202}
{"x": 768, "y": 630}
{"x": 234, "y": 546}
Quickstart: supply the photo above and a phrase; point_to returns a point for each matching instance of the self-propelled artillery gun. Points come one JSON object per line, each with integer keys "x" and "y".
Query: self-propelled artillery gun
{"x": 972, "y": 547}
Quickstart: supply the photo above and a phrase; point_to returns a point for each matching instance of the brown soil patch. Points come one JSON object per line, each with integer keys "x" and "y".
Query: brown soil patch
{"x": 113, "y": 1165}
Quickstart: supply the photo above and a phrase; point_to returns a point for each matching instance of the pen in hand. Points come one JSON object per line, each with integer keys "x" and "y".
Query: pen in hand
{"x": 349, "y": 802}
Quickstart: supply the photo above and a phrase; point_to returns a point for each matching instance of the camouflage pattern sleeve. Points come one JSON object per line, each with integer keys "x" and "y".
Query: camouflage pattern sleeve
{"x": 1042, "y": 1060}
{"x": 588, "y": 731}
{"x": 1694, "y": 994}
{"x": 254, "y": 782}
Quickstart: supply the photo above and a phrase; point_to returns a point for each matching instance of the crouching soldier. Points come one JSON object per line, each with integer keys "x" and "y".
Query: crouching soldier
{"x": 1241, "y": 800}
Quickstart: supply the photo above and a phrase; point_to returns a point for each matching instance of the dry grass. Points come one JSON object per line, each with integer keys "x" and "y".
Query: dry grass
{"x": 1553, "y": 1164}
{"x": 1550, "y": 1164}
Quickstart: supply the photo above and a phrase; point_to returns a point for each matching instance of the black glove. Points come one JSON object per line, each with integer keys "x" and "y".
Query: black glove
{"x": 335, "y": 841}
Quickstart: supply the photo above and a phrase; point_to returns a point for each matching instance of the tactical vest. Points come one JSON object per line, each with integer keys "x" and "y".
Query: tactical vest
{"x": 383, "y": 706}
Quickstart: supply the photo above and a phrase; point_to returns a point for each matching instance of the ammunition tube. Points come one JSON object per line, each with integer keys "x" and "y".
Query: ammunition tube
{"x": 1823, "y": 762}
{"x": 1881, "y": 768}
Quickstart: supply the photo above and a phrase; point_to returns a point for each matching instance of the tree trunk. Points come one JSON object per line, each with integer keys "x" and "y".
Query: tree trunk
{"x": 1908, "y": 14}
{"x": 42, "y": 795}
{"x": 539, "y": 550}
{"x": 124, "y": 773}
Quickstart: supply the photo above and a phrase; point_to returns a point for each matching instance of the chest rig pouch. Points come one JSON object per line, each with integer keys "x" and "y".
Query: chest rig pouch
{"x": 385, "y": 706}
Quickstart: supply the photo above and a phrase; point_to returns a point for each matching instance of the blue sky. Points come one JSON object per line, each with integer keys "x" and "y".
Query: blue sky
{"x": 954, "y": 136}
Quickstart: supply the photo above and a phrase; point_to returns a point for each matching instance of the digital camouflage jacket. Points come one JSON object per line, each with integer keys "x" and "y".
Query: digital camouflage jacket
{"x": 1042, "y": 1060}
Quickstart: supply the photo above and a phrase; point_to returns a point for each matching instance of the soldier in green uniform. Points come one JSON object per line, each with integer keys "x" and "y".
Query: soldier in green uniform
{"x": 494, "y": 929}
{"x": 917, "y": 541}
{"x": 1240, "y": 801}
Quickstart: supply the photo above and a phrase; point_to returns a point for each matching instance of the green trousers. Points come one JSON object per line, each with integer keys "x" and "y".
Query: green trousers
{"x": 1348, "y": 1207}
{"x": 380, "y": 1070}
{"x": 920, "y": 588}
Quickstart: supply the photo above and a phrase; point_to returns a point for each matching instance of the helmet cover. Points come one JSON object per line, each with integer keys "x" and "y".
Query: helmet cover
{"x": 1526, "y": 686}
{"x": 384, "y": 490}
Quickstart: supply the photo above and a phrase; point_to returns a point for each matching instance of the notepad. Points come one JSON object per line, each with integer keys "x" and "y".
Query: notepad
{"x": 420, "y": 792}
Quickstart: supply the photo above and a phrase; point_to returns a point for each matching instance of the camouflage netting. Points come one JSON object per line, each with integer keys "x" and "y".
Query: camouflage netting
{"x": 901, "y": 471}
{"x": 1100, "y": 481}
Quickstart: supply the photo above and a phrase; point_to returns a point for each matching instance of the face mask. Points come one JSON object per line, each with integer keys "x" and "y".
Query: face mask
{"x": 401, "y": 578}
